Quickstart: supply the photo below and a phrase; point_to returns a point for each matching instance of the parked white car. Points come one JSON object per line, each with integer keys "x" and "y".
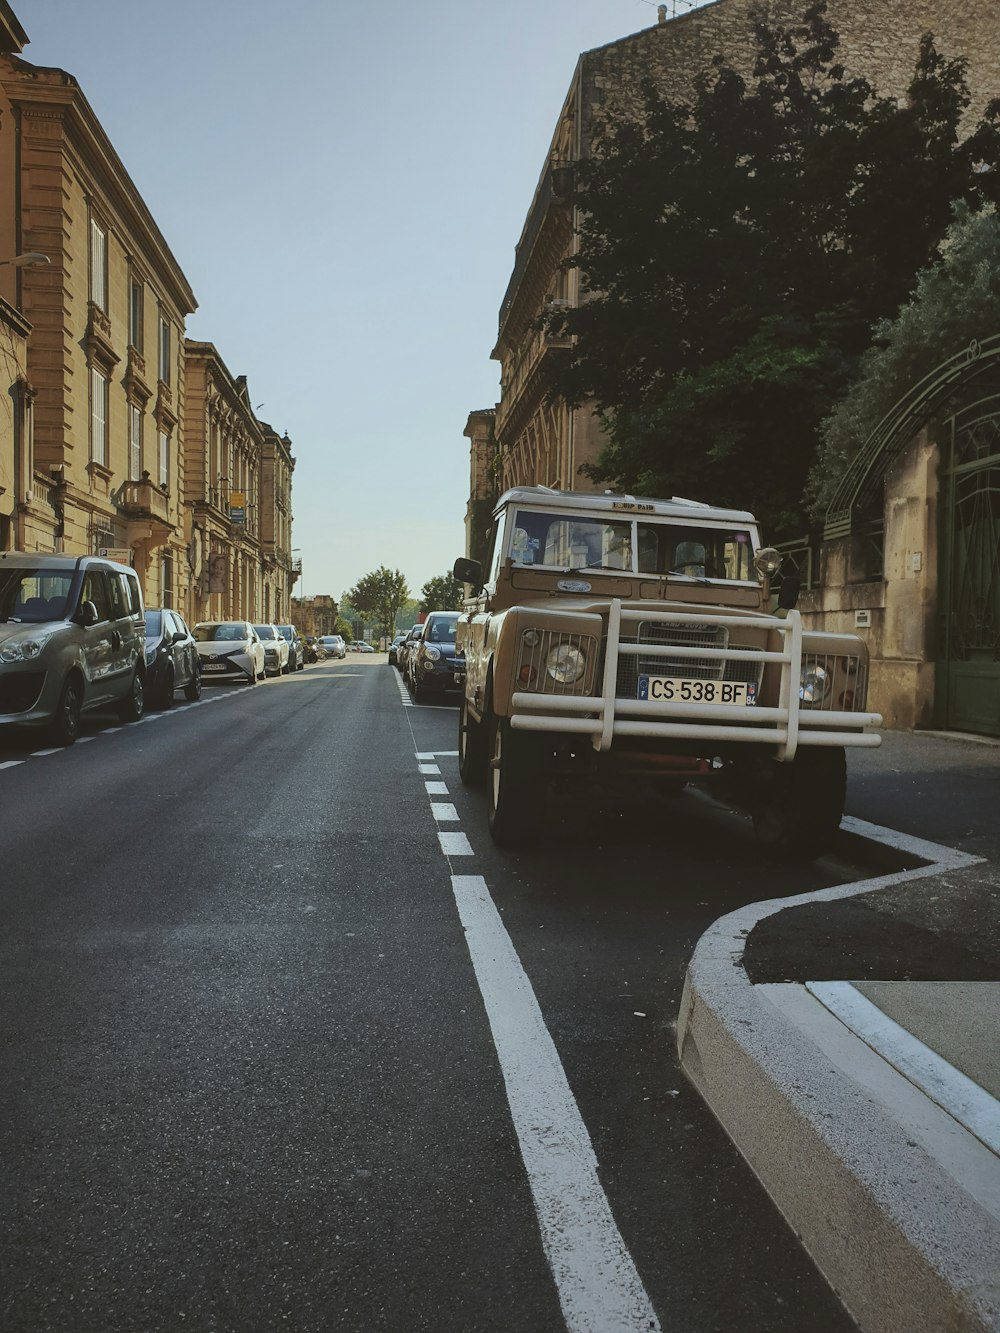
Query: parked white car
{"x": 276, "y": 650}
{"x": 229, "y": 650}
{"x": 333, "y": 645}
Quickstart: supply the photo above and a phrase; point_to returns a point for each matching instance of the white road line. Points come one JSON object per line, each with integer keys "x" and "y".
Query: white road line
{"x": 599, "y": 1288}
{"x": 11, "y": 763}
{"x": 436, "y": 788}
{"x": 429, "y": 768}
{"x": 421, "y": 757}
{"x": 455, "y": 844}
{"x": 444, "y": 812}
{"x": 38, "y": 754}
{"x": 971, "y": 1105}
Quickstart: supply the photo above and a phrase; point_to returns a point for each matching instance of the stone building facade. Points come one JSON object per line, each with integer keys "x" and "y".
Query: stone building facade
{"x": 538, "y": 442}
{"x": 101, "y": 447}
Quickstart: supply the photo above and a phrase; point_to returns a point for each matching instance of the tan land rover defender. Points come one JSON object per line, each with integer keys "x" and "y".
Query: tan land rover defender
{"x": 615, "y": 637}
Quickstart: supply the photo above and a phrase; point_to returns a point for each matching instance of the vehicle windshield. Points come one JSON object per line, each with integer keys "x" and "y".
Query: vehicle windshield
{"x": 32, "y": 596}
{"x": 226, "y": 633}
{"x": 286, "y": 632}
{"x": 442, "y": 631}
{"x": 576, "y": 542}
{"x": 154, "y": 622}
{"x": 266, "y": 632}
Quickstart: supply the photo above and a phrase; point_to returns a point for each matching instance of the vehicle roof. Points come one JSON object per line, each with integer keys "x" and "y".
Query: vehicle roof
{"x": 63, "y": 560}
{"x": 546, "y": 497}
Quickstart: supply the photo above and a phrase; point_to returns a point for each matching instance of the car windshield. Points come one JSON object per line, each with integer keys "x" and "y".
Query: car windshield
{"x": 154, "y": 622}
{"x": 442, "y": 631}
{"x": 583, "y": 542}
{"x": 31, "y": 596}
{"x": 220, "y": 633}
{"x": 266, "y": 632}
{"x": 286, "y": 632}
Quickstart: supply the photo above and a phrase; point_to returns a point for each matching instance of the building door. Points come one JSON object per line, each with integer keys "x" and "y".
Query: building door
{"x": 968, "y": 676}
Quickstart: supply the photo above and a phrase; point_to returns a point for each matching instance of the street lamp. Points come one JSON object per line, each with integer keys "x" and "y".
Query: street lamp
{"x": 30, "y": 259}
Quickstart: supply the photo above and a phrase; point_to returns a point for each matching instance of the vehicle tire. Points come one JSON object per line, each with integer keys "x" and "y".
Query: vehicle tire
{"x": 471, "y": 748}
{"x": 166, "y": 692}
{"x": 133, "y": 705}
{"x": 516, "y": 783}
{"x": 286, "y": 670}
{"x": 65, "y": 725}
{"x": 801, "y": 806}
{"x": 192, "y": 690}
{"x": 420, "y": 695}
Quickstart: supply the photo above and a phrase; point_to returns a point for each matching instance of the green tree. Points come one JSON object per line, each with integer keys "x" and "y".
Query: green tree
{"x": 444, "y": 593}
{"x": 737, "y": 250}
{"x": 379, "y": 595}
{"x": 955, "y": 301}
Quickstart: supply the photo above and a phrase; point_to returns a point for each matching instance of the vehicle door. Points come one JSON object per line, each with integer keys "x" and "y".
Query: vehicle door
{"x": 97, "y": 651}
{"x": 178, "y": 652}
{"x": 127, "y": 627}
{"x": 184, "y": 653}
{"x": 474, "y": 637}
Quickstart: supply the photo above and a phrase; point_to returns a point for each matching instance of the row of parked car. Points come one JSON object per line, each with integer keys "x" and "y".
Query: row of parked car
{"x": 427, "y": 658}
{"x": 74, "y": 636}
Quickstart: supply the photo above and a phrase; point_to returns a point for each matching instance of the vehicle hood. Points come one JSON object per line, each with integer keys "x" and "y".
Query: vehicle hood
{"x": 223, "y": 648}
{"x": 14, "y": 629}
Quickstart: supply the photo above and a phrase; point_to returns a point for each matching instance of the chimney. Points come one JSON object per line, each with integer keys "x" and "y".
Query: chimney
{"x": 661, "y": 13}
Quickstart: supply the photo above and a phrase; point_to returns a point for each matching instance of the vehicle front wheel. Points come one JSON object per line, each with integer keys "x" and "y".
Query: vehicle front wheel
{"x": 65, "y": 725}
{"x": 801, "y": 806}
{"x": 516, "y": 786}
{"x": 192, "y": 690}
{"x": 471, "y": 748}
{"x": 133, "y": 705}
{"x": 166, "y": 699}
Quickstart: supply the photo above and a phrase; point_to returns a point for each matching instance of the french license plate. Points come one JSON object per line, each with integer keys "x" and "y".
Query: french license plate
{"x": 213, "y": 666}
{"x": 672, "y": 690}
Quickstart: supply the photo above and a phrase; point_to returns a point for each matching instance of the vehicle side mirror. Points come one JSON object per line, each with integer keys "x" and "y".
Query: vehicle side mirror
{"x": 87, "y": 615}
{"x": 468, "y": 571}
{"x": 178, "y": 637}
{"x": 788, "y": 593}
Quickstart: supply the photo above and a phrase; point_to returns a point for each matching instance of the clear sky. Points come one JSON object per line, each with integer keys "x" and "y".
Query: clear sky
{"x": 343, "y": 183}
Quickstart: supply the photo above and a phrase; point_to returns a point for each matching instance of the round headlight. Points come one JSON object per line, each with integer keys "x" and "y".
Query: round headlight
{"x": 565, "y": 664}
{"x": 532, "y": 638}
{"x": 767, "y": 561}
{"x": 814, "y": 683}
{"x": 432, "y": 653}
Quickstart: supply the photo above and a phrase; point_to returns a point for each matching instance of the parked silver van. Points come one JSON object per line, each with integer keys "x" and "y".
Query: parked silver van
{"x": 72, "y": 637}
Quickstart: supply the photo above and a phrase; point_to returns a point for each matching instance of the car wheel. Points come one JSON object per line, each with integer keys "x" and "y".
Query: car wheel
{"x": 65, "y": 725}
{"x": 516, "y": 783}
{"x": 133, "y": 705}
{"x": 800, "y": 808}
{"x": 192, "y": 690}
{"x": 471, "y": 748}
{"x": 166, "y": 698}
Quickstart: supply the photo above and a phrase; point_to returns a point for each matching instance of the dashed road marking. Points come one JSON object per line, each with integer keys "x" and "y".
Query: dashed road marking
{"x": 444, "y": 812}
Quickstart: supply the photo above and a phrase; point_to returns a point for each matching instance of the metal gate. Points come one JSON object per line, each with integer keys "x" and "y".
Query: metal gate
{"x": 968, "y": 671}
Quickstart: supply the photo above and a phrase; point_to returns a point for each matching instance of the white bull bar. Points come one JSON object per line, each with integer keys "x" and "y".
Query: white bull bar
{"x": 606, "y": 716}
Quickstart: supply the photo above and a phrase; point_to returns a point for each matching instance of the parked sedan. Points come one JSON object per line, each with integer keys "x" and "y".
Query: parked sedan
{"x": 434, "y": 666}
{"x": 296, "y": 647}
{"x": 230, "y": 650}
{"x": 275, "y": 650}
{"x": 172, "y": 659}
{"x": 360, "y": 646}
{"x": 394, "y": 648}
{"x": 333, "y": 645}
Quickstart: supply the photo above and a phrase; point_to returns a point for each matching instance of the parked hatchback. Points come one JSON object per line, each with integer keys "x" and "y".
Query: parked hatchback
{"x": 72, "y": 638}
{"x": 435, "y": 667}
{"x": 172, "y": 660}
{"x": 275, "y": 650}
{"x": 230, "y": 650}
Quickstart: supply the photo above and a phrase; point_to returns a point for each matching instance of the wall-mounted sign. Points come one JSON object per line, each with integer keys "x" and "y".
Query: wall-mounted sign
{"x": 237, "y": 507}
{"x": 123, "y": 554}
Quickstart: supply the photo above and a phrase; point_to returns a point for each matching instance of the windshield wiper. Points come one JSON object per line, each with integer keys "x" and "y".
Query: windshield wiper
{"x": 695, "y": 578}
{"x": 615, "y": 569}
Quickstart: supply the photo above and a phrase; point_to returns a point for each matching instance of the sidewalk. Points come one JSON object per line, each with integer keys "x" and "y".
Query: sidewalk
{"x": 849, "y": 1043}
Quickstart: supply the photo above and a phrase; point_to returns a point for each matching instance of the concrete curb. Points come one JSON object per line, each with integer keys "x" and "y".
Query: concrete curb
{"x": 897, "y": 1238}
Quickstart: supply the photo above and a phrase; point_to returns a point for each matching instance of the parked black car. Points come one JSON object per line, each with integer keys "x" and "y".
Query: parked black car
{"x": 172, "y": 659}
{"x": 433, "y": 665}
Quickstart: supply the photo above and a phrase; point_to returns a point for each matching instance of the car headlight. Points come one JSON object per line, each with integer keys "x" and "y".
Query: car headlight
{"x": 432, "y": 653}
{"x": 566, "y": 664}
{"x": 21, "y": 650}
{"x": 814, "y": 683}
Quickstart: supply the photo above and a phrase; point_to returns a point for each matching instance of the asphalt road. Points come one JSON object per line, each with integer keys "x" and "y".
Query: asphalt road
{"x": 272, "y": 1059}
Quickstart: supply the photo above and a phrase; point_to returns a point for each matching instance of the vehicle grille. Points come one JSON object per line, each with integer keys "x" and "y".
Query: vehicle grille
{"x": 630, "y": 667}
{"x": 19, "y": 691}
{"x": 849, "y": 682}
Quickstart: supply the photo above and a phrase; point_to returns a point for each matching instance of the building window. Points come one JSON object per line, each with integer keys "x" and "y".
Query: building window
{"x": 164, "y": 350}
{"x": 98, "y": 417}
{"x": 163, "y": 449}
{"x": 98, "y": 265}
{"x": 167, "y": 580}
{"x": 135, "y": 313}
{"x": 134, "y": 442}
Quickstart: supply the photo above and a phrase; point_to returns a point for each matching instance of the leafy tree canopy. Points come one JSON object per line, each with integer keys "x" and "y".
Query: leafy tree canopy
{"x": 738, "y": 249}
{"x": 955, "y": 300}
{"x": 443, "y": 593}
{"x": 380, "y": 594}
